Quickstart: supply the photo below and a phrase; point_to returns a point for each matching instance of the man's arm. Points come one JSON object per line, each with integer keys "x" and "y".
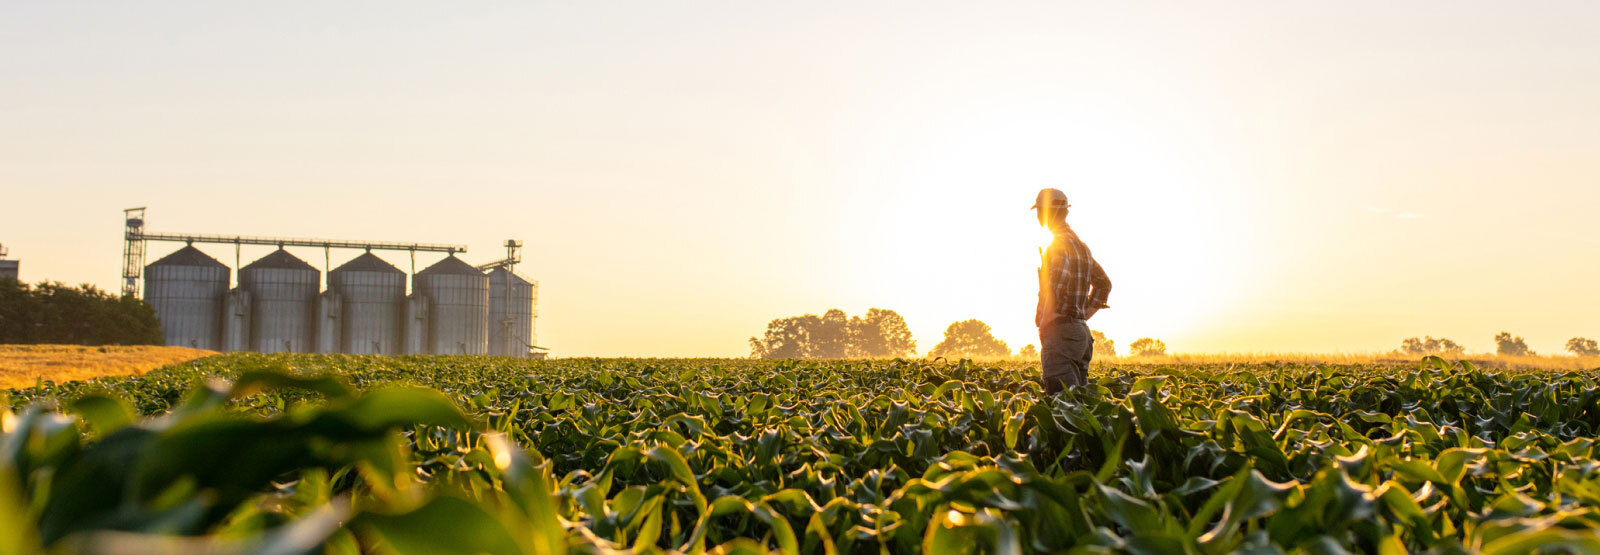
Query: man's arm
{"x": 1101, "y": 284}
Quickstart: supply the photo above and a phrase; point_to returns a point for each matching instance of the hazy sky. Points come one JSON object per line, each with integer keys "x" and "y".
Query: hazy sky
{"x": 1263, "y": 176}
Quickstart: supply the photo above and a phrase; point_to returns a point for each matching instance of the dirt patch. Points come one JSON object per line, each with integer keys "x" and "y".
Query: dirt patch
{"x": 25, "y": 365}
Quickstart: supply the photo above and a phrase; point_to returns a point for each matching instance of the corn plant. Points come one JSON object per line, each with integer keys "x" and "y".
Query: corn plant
{"x": 302, "y": 453}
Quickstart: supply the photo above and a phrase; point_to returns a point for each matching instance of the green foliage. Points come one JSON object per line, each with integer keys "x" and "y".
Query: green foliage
{"x": 1103, "y": 347}
{"x": 800, "y": 456}
{"x": 52, "y": 313}
{"x": 1583, "y": 347}
{"x": 1507, "y": 345}
{"x": 1146, "y": 346}
{"x": 970, "y": 338}
{"x": 882, "y": 333}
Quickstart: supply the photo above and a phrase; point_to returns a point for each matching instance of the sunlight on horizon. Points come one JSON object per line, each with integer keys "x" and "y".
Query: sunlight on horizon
{"x": 1133, "y": 188}
{"x": 1251, "y": 179}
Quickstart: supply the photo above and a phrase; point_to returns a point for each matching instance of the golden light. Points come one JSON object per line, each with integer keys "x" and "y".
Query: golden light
{"x": 499, "y": 448}
{"x": 1144, "y": 197}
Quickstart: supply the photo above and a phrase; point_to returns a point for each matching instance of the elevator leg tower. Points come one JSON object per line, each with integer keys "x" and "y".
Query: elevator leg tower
{"x": 132, "y": 250}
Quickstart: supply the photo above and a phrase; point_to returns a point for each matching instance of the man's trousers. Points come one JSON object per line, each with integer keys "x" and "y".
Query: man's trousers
{"x": 1066, "y": 348}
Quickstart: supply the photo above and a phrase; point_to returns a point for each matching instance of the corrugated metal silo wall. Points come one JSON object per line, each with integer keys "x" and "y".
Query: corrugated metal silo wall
{"x": 415, "y": 326}
{"x": 188, "y": 302}
{"x": 283, "y": 308}
{"x": 533, "y": 316}
{"x": 510, "y": 314}
{"x": 236, "y": 321}
{"x": 373, "y": 310}
{"x": 458, "y": 312}
{"x": 330, "y": 314}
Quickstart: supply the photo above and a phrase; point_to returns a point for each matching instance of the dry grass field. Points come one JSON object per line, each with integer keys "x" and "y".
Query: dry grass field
{"x": 25, "y": 365}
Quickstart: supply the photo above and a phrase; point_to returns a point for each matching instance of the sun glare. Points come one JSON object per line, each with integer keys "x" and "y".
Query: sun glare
{"x": 1136, "y": 203}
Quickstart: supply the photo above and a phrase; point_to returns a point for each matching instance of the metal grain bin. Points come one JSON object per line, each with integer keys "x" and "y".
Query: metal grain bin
{"x": 458, "y": 307}
{"x": 186, "y": 289}
{"x": 510, "y": 314}
{"x": 374, "y": 294}
{"x": 283, "y": 297}
{"x": 416, "y": 325}
{"x": 330, "y": 312}
{"x": 236, "y": 321}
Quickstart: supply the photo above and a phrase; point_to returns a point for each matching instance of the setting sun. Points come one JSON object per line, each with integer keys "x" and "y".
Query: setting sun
{"x": 1248, "y": 186}
{"x": 821, "y": 277}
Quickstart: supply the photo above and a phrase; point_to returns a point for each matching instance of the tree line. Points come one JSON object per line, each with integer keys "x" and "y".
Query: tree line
{"x": 1504, "y": 344}
{"x": 882, "y": 333}
{"x": 53, "y": 313}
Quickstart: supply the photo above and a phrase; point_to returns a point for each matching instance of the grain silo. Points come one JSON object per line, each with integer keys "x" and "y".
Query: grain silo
{"x": 186, "y": 289}
{"x": 374, "y": 294}
{"x": 283, "y": 298}
{"x": 458, "y": 307}
{"x": 330, "y": 315}
{"x": 510, "y": 313}
{"x": 236, "y": 321}
{"x": 415, "y": 326}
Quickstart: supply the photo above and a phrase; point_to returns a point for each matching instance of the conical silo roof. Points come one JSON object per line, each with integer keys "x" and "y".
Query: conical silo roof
{"x": 498, "y": 274}
{"x": 450, "y": 266}
{"x": 280, "y": 259}
{"x": 368, "y": 263}
{"x": 188, "y": 256}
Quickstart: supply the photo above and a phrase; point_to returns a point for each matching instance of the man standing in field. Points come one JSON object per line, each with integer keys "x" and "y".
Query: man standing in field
{"x": 1072, "y": 287}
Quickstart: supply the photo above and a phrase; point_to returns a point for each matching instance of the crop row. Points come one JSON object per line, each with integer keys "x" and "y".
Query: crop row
{"x": 816, "y": 457}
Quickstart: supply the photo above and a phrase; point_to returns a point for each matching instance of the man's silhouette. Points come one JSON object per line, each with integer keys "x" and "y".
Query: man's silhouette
{"x": 1072, "y": 287}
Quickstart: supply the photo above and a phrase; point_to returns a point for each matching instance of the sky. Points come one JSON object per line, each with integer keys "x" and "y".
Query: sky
{"x": 1254, "y": 177}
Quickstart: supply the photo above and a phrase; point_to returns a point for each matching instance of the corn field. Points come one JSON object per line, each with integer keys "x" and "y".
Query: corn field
{"x": 285, "y": 454}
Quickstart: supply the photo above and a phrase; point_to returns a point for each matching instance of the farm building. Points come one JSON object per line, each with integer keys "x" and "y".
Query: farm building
{"x": 8, "y": 268}
{"x": 281, "y": 303}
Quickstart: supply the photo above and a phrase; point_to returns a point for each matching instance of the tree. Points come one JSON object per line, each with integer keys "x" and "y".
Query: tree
{"x": 1507, "y": 345}
{"x": 881, "y": 333}
{"x": 1028, "y": 352}
{"x": 1583, "y": 347}
{"x": 786, "y": 338}
{"x": 970, "y": 338}
{"x": 1431, "y": 346}
{"x": 55, "y": 313}
{"x": 1147, "y": 347}
{"x": 831, "y": 336}
{"x": 1103, "y": 347}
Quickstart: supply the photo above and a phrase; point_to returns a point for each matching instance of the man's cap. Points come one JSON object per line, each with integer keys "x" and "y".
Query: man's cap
{"x": 1050, "y": 197}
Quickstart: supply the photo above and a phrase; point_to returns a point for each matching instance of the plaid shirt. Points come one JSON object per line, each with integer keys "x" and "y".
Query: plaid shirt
{"x": 1070, "y": 281}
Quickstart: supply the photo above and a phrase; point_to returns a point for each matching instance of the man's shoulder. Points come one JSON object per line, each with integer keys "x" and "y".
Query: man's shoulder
{"x": 1070, "y": 238}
